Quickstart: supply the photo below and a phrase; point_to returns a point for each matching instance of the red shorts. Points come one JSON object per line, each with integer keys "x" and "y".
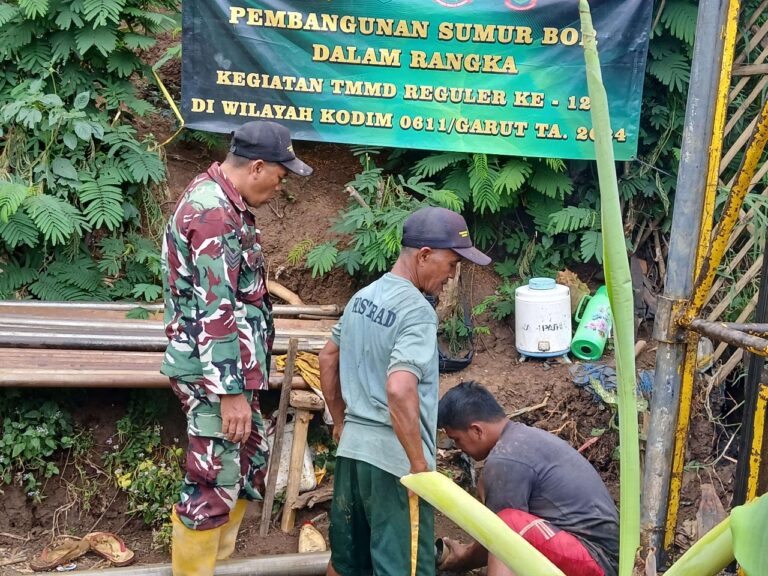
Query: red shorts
{"x": 563, "y": 549}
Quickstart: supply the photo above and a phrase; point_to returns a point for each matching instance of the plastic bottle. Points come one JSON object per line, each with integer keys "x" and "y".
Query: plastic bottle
{"x": 594, "y": 326}
{"x": 310, "y": 539}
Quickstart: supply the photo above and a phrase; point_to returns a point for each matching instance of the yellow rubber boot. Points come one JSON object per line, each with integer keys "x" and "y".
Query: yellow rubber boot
{"x": 228, "y": 536}
{"x": 193, "y": 552}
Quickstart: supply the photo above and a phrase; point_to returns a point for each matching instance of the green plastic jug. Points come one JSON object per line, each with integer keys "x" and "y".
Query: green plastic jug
{"x": 595, "y": 322}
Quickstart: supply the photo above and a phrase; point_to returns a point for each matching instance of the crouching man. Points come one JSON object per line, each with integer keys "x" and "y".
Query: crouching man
{"x": 538, "y": 484}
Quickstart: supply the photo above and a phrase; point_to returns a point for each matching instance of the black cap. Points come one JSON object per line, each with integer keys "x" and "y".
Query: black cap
{"x": 268, "y": 141}
{"x": 441, "y": 228}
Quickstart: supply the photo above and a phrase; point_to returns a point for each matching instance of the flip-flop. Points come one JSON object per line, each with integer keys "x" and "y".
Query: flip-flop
{"x": 63, "y": 550}
{"x": 110, "y": 547}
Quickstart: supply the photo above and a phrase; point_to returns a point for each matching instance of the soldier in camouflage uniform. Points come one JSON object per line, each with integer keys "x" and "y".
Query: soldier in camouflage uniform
{"x": 218, "y": 320}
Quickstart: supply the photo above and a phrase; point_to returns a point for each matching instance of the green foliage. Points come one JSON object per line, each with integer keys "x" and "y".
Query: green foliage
{"x": 373, "y": 221}
{"x": 501, "y": 304}
{"x": 149, "y": 472}
{"x": 297, "y": 253}
{"x": 72, "y": 171}
{"x": 33, "y": 432}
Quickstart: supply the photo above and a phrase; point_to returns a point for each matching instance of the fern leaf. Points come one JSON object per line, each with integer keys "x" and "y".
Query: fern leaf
{"x": 14, "y": 38}
{"x": 512, "y": 176}
{"x": 572, "y": 218}
{"x": 349, "y": 261}
{"x": 435, "y": 163}
{"x": 152, "y": 21}
{"x": 555, "y": 164}
{"x": 12, "y": 194}
{"x": 63, "y": 46}
{"x": 103, "y": 38}
{"x": 679, "y": 16}
{"x": 20, "y": 229}
{"x": 36, "y": 57}
{"x": 446, "y": 199}
{"x": 103, "y": 201}
{"x": 66, "y": 17}
{"x": 539, "y": 207}
{"x": 457, "y": 181}
{"x": 550, "y": 183}
{"x": 484, "y": 235}
{"x": 137, "y": 313}
{"x": 674, "y": 71}
{"x": 147, "y": 292}
{"x": 144, "y": 166}
{"x": 322, "y": 258}
{"x": 48, "y": 287}
{"x": 138, "y": 41}
{"x": 57, "y": 219}
{"x": 298, "y": 251}
{"x": 13, "y": 277}
{"x": 591, "y": 246}
{"x": 481, "y": 181}
{"x": 101, "y": 12}
{"x": 123, "y": 62}
{"x": 34, "y": 8}
{"x": 81, "y": 273}
{"x": 7, "y": 13}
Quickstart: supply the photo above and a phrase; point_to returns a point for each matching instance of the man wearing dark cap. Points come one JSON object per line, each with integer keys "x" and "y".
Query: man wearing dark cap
{"x": 379, "y": 375}
{"x": 218, "y": 319}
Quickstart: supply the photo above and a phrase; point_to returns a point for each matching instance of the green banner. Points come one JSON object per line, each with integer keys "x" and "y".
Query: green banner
{"x": 495, "y": 76}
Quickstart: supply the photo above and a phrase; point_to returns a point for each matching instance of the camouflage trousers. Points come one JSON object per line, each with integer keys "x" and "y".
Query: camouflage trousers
{"x": 219, "y": 472}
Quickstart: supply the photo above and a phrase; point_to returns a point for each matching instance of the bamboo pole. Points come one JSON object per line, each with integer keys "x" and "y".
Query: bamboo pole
{"x": 706, "y": 276}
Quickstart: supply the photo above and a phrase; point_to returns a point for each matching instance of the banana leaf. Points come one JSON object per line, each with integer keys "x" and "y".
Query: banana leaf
{"x": 619, "y": 284}
{"x": 749, "y": 525}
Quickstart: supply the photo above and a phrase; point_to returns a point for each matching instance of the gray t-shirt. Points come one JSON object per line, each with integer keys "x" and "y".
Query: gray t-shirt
{"x": 387, "y": 326}
{"x": 537, "y": 472}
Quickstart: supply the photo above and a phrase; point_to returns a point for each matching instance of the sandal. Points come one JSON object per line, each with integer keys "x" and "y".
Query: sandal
{"x": 63, "y": 550}
{"x": 110, "y": 547}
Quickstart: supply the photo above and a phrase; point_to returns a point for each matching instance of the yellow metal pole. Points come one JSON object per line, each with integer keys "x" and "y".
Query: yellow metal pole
{"x": 681, "y": 437}
{"x": 706, "y": 276}
{"x": 707, "y": 218}
{"x": 756, "y": 453}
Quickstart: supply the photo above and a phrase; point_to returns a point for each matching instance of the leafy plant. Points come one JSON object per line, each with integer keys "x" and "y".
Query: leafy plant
{"x": 374, "y": 219}
{"x": 73, "y": 171}
{"x": 140, "y": 464}
{"x": 500, "y": 304}
{"x": 32, "y": 433}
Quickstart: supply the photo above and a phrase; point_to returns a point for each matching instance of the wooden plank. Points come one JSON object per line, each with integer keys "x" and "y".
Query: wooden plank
{"x": 306, "y": 400}
{"x": 298, "y": 446}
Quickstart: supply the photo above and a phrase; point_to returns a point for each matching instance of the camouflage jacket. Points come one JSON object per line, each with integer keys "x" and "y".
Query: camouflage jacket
{"x": 218, "y": 317}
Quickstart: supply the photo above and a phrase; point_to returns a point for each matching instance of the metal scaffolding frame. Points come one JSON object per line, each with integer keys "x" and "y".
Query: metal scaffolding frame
{"x": 695, "y": 255}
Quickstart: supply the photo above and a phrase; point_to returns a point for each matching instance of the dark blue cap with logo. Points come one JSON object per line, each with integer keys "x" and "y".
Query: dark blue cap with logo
{"x": 434, "y": 227}
{"x": 268, "y": 141}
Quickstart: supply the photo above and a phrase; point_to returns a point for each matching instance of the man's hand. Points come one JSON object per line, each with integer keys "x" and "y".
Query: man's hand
{"x": 458, "y": 557}
{"x": 337, "y": 430}
{"x": 235, "y": 417}
{"x": 453, "y": 557}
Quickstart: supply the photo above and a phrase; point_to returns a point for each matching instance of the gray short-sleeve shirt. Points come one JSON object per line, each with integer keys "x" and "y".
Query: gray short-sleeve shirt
{"x": 537, "y": 472}
{"x": 387, "y": 326}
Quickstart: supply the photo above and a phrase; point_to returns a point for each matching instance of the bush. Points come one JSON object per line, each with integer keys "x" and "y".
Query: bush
{"x": 76, "y": 181}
